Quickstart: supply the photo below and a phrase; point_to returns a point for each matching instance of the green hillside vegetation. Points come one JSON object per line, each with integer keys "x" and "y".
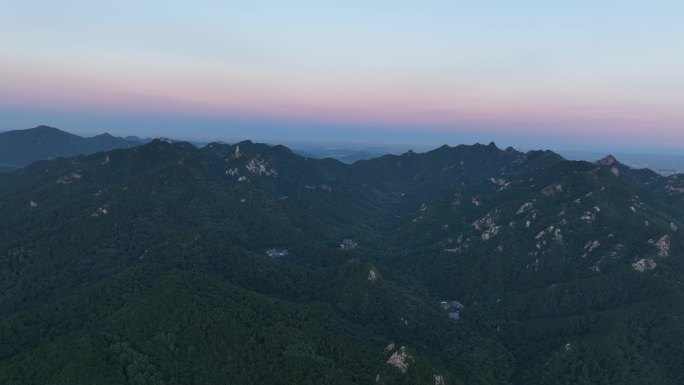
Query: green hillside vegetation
{"x": 249, "y": 264}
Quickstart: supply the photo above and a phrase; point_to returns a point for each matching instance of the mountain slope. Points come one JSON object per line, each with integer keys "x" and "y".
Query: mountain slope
{"x": 20, "y": 148}
{"x": 573, "y": 258}
{"x": 166, "y": 263}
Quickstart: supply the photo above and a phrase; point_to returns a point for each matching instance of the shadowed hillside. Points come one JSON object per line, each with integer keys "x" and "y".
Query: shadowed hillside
{"x": 247, "y": 263}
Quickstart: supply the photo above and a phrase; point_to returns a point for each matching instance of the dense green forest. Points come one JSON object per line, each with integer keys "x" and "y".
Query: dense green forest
{"x": 249, "y": 264}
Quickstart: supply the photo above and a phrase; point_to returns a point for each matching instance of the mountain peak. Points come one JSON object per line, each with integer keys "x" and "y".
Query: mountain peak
{"x": 44, "y": 127}
{"x": 23, "y": 147}
{"x": 607, "y": 160}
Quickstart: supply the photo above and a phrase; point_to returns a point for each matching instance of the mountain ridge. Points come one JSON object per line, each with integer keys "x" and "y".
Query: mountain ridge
{"x": 19, "y": 148}
{"x": 564, "y": 270}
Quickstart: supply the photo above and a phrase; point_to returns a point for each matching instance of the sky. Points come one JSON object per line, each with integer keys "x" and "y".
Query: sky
{"x": 576, "y": 75}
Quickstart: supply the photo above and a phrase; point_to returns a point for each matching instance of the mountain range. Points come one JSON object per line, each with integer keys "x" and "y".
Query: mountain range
{"x": 19, "y": 148}
{"x": 247, "y": 263}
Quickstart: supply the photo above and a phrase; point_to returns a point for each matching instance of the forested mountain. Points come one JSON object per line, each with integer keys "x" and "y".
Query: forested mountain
{"x": 20, "y": 148}
{"x": 249, "y": 264}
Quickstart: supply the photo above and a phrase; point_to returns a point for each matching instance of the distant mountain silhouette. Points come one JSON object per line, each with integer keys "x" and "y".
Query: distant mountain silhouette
{"x": 133, "y": 138}
{"x": 19, "y": 148}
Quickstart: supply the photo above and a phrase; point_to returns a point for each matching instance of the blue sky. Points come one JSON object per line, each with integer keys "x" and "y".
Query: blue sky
{"x": 580, "y": 74}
